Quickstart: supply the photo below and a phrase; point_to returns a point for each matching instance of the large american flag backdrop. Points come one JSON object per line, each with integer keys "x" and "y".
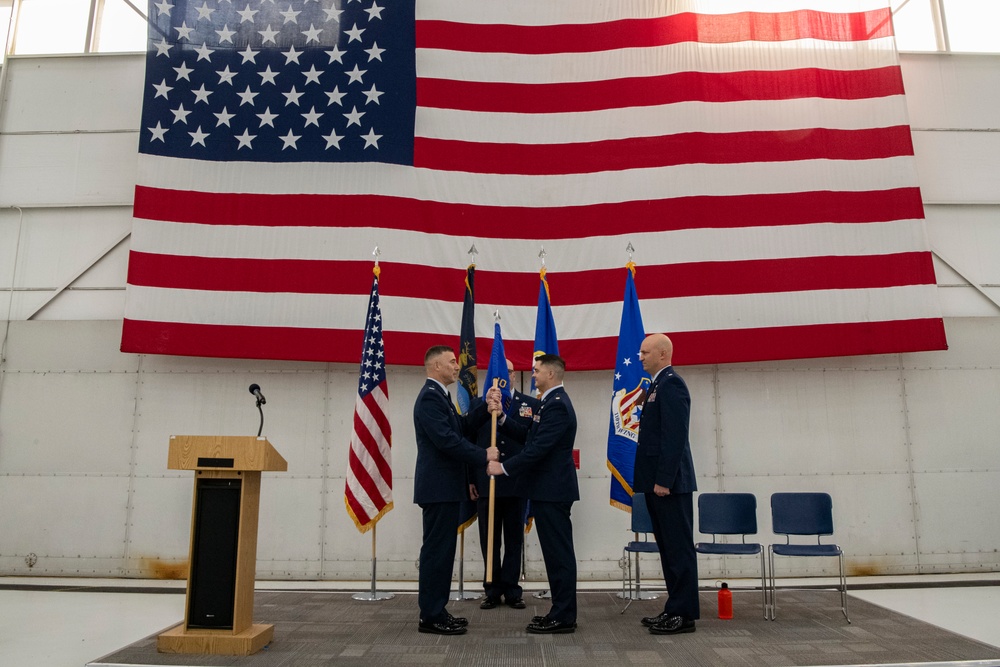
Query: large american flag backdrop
{"x": 757, "y": 155}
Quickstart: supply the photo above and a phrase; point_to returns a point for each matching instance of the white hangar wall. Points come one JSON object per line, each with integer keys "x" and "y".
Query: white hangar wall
{"x": 907, "y": 445}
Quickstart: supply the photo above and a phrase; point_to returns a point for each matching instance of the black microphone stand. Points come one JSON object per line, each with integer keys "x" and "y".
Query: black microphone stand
{"x": 261, "y": 411}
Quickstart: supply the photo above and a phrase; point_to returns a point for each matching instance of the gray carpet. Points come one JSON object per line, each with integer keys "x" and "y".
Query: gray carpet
{"x": 319, "y": 628}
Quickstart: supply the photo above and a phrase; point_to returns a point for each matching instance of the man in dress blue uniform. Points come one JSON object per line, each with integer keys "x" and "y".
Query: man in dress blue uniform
{"x": 664, "y": 471}
{"x": 546, "y": 475}
{"x": 440, "y": 484}
{"x": 508, "y": 508}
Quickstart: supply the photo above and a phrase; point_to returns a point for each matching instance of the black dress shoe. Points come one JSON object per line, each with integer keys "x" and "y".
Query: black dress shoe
{"x": 550, "y": 626}
{"x": 516, "y": 603}
{"x": 489, "y": 603}
{"x": 535, "y": 620}
{"x": 458, "y": 620}
{"x": 650, "y": 621}
{"x": 675, "y": 625}
{"x": 442, "y": 628}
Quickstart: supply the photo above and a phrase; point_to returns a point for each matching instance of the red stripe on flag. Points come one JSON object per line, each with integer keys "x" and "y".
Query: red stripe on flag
{"x": 249, "y": 275}
{"x": 366, "y": 435}
{"x": 657, "y": 90}
{"x": 692, "y": 348}
{"x": 718, "y": 278}
{"x": 381, "y": 421}
{"x": 695, "y": 212}
{"x": 642, "y": 33}
{"x": 803, "y": 342}
{"x": 366, "y": 481}
{"x": 356, "y": 509}
{"x": 664, "y": 151}
{"x": 771, "y": 343}
{"x": 515, "y": 289}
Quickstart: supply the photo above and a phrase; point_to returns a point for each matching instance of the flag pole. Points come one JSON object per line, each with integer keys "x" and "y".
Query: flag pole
{"x": 461, "y": 594}
{"x": 373, "y": 595}
{"x": 467, "y": 381}
{"x": 493, "y": 488}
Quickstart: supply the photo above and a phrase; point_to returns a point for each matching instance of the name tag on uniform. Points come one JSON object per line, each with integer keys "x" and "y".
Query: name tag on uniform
{"x": 524, "y": 410}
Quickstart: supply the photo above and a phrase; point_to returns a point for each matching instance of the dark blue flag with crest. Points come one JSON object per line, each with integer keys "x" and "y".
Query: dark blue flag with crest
{"x": 627, "y": 394}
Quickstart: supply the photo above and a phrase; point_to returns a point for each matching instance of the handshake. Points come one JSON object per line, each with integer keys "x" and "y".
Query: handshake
{"x": 493, "y": 462}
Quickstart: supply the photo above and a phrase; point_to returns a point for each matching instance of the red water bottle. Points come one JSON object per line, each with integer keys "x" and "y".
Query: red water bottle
{"x": 725, "y": 602}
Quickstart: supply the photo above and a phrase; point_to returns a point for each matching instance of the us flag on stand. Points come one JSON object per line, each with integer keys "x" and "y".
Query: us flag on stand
{"x": 368, "y": 490}
{"x": 757, "y": 154}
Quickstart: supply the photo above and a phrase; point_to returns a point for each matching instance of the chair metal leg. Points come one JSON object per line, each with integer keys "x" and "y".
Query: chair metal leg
{"x": 773, "y": 586}
{"x": 628, "y": 596}
{"x": 638, "y": 579}
{"x": 622, "y": 563}
{"x": 843, "y": 588}
{"x": 627, "y": 557}
{"x": 774, "y": 604}
{"x": 763, "y": 586}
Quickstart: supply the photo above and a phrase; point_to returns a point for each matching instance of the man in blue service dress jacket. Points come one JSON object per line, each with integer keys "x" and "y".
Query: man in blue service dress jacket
{"x": 546, "y": 475}
{"x": 664, "y": 471}
{"x": 508, "y": 508}
{"x": 440, "y": 484}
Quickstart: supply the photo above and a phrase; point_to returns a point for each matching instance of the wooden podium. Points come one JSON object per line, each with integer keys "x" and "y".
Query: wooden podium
{"x": 218, "y": 616}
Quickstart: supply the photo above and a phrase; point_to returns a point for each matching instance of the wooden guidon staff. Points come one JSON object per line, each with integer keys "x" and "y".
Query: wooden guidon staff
{"x": 493, "y": 488}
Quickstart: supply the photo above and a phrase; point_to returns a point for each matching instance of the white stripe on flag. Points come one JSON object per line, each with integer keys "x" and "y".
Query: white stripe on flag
{"x": 655, "y": 61}
{"x": 581, "y": 321}
{"x": 662, "y": 120}
{"x": 520, "y": 255}
{"x": 515, "y": 190}
{"x": 532, "y": 12}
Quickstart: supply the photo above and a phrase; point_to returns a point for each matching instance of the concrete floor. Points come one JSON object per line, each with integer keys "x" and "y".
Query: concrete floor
{"x": 45, "y": 624}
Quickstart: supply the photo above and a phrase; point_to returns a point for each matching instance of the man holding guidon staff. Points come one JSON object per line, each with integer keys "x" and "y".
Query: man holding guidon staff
{"x": 546, "y": 475}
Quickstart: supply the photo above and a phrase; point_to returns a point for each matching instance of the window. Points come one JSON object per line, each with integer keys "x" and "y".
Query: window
{"x": 120, "y": 27}
{"x": 5, "y": 8}
{"x": 973, "y": 25}
{"x": 914, "y": 26}
{"x": 51, "y": 26}
{"x": 60, "y": 26}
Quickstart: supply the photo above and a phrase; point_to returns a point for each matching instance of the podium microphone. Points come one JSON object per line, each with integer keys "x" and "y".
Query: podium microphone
{"x": 255, "y": 390}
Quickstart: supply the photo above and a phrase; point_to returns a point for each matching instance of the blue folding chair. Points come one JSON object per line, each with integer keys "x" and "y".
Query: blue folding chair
{"x": 642, "y": 524}
{"x": 731, "y": 514}
{"x": 804, "y": 514}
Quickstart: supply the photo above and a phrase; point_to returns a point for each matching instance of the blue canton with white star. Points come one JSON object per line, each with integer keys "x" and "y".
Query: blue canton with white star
{"x": 373, "y": 354}
{"x": 280, "y": 80}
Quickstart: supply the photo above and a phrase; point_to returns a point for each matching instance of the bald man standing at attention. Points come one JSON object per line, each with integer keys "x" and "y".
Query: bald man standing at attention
{"x": 664, "y": 472}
